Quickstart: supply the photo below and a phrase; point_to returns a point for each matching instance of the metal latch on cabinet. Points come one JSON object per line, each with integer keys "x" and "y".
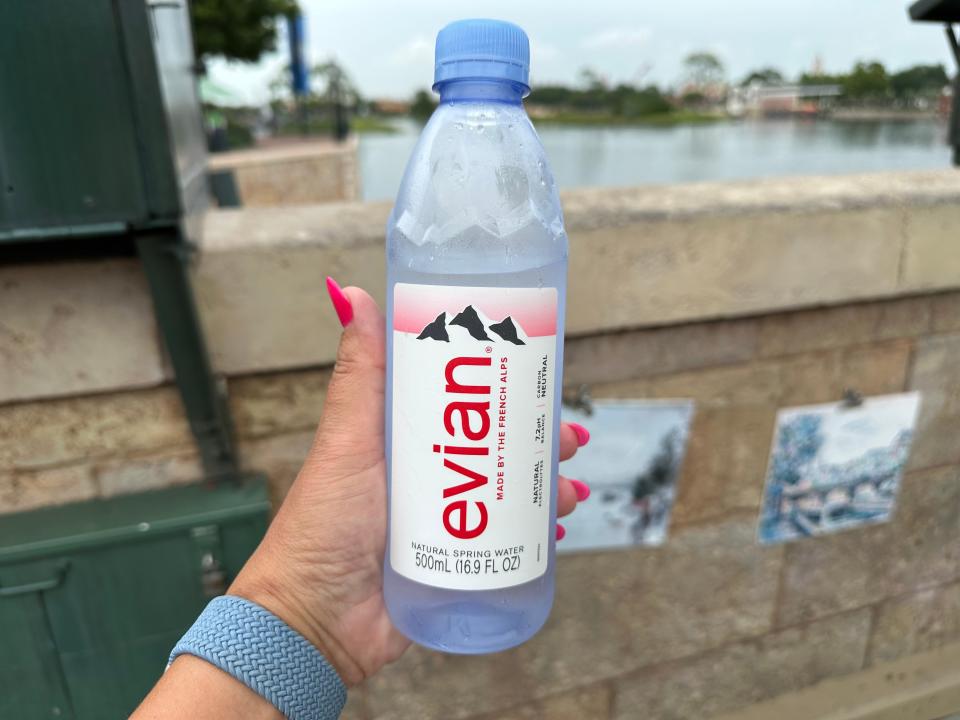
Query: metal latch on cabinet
{"x": 213, "y": 578}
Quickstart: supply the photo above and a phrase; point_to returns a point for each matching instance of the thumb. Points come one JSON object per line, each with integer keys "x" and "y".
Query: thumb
{"x": 351, "y": 429}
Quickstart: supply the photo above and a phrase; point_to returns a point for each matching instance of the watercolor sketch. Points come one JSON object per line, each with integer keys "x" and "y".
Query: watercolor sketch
{"x": 834, "y": 467}
{"x": 631, "y": 464}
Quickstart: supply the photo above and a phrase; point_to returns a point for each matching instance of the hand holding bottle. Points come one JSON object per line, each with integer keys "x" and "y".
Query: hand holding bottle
{"x": 320, "y": 567}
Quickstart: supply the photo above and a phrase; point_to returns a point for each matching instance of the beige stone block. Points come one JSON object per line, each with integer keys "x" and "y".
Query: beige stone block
{"x": 614, "y": 612}
{"x": 260, "y": 288}
{"x": 151, "y": 472}
{"x": 8, "y": 492}
{"x": 726, "y": 462}
{"x": 35, "y": 489}
{"x": 278, "y": 403}
{"x": 918, "y": 548}
{"x": 586, "y": 208}
{"x": 674, "y": 255}
{"x": 587, "y": 703}
{"x": 931, "y": 259}
{"x": 355, "y": 709}
{"x": 935, "y": 441}
{"x": 293, "y": 173}
{"x": 904, "y": 317}
{"x": 926, "y": 685}
{"x": 945, "y": 311}
{"x": 876, "y": 369}
{"x": 936, "y": 374}
{"x": 828, "y": 328}
{"x": 641, "y": 353}
{"x": 681, "y": 269}
{"x": 72, "y": 328}
{"x": 818, "y": 329}
{"x": 52, "y": 432}
{"x": 916, "y": 623}
{"x": 718, "y": 387}
{"x": 744, "y": 673}
{"x": 280, "y": 457}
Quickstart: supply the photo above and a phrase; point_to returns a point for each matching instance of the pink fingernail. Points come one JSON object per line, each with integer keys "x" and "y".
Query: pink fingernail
{"x": 561, "y": 531}
{"x": 340, "y": 302}
{"x": 583, "y": 435}
{"x": 581, "y": 488}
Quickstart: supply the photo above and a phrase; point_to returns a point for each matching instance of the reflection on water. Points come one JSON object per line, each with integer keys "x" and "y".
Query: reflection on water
{"x": 585, "y": 156}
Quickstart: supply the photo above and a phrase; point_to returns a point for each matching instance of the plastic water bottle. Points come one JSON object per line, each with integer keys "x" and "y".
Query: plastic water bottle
{"x": 476, "y": 283}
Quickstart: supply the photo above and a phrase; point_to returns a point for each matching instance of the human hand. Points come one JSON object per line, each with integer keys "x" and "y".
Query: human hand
{"x": 320, "y": 566}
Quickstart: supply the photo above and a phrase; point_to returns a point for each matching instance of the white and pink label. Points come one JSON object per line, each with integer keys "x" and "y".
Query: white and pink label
{"x": 473, "y": 384}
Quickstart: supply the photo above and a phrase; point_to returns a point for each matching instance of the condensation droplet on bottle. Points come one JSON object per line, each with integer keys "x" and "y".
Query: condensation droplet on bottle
{"x": 479, "y": 128}
{"x": 458, "y": 126}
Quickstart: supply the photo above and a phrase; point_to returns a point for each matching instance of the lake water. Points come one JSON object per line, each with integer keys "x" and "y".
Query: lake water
{"x": 611, "y": 157}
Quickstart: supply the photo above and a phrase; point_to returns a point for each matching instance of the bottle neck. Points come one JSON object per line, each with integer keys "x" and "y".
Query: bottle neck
{"x": 499, "y": 91}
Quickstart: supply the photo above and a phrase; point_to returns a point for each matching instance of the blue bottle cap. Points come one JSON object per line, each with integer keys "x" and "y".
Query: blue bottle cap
{"x": 483, "y": 50}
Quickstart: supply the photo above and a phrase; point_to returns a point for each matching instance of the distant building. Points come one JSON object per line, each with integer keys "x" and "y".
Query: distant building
{"x": 385, "y": 106}
{"x": 759, "y": 100}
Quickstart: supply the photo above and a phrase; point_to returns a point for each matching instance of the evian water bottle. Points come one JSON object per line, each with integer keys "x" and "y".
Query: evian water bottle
{"x": 476, "y": 282}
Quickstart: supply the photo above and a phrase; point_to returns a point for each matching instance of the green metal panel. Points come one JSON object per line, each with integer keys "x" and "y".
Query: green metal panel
{"x": 159, "y": 54}
{"x": 100, "y": 120}
{"x": 68, "y": 149}
{"x": 108, "y": 587}
{"x": 176, "y": 69}
{"x": 164, "y": 258}
{"x": 31, "y": 678}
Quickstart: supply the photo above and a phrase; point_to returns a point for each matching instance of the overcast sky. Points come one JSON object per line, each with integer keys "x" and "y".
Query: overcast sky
{"x": 387, "y": 47}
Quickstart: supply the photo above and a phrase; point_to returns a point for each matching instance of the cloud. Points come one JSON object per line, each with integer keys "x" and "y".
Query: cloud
{"x": 617, "y": 38}
{"x": 418, "y": 50}
{"x": 540, "y": 51}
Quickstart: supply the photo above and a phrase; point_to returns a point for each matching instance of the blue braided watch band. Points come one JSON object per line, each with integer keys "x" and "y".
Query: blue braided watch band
{"x": 265, "y": 654}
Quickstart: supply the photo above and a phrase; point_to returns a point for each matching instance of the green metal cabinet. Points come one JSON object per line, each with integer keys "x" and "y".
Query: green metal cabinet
{"x": 94, "y": 595}
{"x": 102, "y": 149}
{"x": 100, "y": 127}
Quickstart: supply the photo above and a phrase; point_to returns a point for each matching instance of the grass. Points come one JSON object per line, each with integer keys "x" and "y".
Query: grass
{"x": 372, "y": 125}
{"x": 667, "y": 119}
{"x": 325, "y": 127}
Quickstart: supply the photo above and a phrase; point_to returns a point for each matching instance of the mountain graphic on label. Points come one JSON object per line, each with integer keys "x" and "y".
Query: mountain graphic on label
{"x": 507, "y": 330}
{"x": 473, "y": 323}
{"x": 469, "y": 318}
{"x": 436, "y": 330}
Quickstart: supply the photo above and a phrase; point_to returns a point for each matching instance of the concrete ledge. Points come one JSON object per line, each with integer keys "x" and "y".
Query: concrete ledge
{"x": 920, "y": 687}
{"x": 640, "y": 257}
{"x": 293, "y": 172}
{"x": 74, "y": 328}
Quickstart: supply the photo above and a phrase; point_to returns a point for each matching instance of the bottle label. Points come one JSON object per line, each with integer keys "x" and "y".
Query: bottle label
{"x": 473, "y": 386}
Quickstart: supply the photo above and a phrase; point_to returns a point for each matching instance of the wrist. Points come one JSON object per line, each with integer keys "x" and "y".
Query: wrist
{"x": 273, "y": 596}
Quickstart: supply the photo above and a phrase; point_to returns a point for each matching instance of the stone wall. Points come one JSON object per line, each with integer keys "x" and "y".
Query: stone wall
{"x": 745, "y": 297}
{"x": 294, "y": 172}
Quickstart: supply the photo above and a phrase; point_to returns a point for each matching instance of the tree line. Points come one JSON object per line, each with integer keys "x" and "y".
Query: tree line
{"x": 244, "y": 29}
{"x": 705, "y": 81}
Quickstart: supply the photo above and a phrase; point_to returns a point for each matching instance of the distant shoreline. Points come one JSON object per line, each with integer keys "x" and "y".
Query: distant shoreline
{"x": 386, "y": 124}
{"x": 679, "y": 117}
{"x": 856, "y": 114}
